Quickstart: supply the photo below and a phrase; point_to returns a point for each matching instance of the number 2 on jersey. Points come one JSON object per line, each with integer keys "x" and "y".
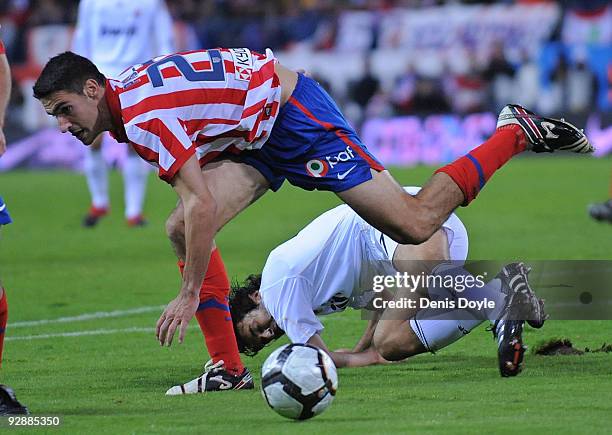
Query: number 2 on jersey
{"x": 217, "y": 74}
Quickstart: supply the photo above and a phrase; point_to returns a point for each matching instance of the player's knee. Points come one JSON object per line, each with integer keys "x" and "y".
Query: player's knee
{"x": 386, "y": 346}
{"x": 392, "y": 346}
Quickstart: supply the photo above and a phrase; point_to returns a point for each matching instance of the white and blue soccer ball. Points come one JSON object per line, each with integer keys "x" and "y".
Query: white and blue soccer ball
{"x": 299, "y": 381}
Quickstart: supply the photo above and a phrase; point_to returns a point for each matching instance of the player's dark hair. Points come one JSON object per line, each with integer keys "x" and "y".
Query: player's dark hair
{"x": 66, "y": 72}
{"x": 240, "y": 303}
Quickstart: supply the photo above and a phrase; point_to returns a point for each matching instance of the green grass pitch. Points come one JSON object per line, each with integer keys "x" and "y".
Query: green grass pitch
{"x": 113, "y": 381}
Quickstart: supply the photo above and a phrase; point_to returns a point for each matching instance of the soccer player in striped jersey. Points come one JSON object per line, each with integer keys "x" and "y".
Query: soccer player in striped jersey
{"x": 339, "y": 261}
{"x": 8, "y": 402}
{"x": 223, "y": 126}
{"x": 115, "y": 35}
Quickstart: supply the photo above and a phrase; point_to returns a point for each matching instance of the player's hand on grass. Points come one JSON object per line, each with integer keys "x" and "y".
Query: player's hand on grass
{"x": 177, "y": 315}
{"x": 376, "y": 357}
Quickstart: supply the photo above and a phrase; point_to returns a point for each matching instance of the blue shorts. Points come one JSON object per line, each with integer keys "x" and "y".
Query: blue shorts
{"x": 5, "y": 217}
{"x": 312, "y": 145}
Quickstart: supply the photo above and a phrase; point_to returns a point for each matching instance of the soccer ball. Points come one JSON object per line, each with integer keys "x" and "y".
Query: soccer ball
{"x": 299, "y": 381}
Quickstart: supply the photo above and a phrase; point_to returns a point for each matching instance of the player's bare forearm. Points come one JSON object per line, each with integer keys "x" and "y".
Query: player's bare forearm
{"x": 200, "y": 227}
{"x": 366, "y": 339}
{"x": 348, "y": 359}
{"x": 199, "y": 236}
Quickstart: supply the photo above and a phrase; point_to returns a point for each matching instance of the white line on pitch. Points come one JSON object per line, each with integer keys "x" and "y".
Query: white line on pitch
{"x": 85, "y": 333}
{"x": 89, "y": 316}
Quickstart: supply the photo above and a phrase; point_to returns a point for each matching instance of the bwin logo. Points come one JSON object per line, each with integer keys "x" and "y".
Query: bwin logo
{"x": 344, "y": 156}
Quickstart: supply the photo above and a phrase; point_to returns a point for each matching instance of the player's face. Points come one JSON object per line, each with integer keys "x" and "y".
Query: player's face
{"x": 258, "y": 328}
{"x": 76, "y": 114}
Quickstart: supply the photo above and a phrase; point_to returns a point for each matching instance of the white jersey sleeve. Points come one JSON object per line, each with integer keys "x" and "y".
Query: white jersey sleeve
{"x": 289, "y": 303}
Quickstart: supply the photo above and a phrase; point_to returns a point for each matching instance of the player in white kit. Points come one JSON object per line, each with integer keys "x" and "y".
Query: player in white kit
{"x": 332, "y": 264}
{"x": 116, "y": 34}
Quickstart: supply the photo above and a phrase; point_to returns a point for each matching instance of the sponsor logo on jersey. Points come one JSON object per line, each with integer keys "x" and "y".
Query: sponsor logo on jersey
{"x": 243, "y": 63}
{"x": 132, "y": 76}
{"x": 317, "y": 168}
{"x": 106, "y": 30}
{"x": 343, "y": 156}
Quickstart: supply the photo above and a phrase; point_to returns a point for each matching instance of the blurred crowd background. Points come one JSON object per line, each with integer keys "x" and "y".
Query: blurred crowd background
{"x": 380, "y": 59}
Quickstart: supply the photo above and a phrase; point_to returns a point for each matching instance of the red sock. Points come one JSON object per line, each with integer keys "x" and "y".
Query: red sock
{"x": 473, "y": 170}
{"x": 214, "y": 316}
{"x": 3, "y": 319}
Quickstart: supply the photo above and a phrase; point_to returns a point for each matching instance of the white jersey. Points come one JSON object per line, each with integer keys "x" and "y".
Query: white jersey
{"x": 116, "y": 34}
{"x": 329, "y": 265}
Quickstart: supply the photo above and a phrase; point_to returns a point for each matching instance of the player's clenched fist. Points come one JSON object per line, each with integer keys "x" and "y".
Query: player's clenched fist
{"x": 177, "y": 315}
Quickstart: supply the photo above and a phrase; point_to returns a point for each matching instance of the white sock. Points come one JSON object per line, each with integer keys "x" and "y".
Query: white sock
{"x": 135, "y": 173}
{"x": 96, "y": 173}
{"x": 436, "y": 328}
{"x": 442, "y": 328}
{"x": 491, "y": 291}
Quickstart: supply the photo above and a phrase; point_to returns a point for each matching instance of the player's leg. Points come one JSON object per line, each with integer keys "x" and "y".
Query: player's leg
{"x": 394, "y": 337}
{"x": 313, "y": 145}
{"x": 407, "y": 219}
{"x": 9, "y": 404}
{"x": 407, "y": 332}
{"x": 412, "y": 220}
{"x": 235, "y": 186}
{"x": 96, "y": 173}
{"x": 135, "y": 175}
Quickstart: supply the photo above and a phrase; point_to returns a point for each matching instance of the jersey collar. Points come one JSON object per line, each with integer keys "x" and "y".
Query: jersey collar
{"x": 112, "y": 100}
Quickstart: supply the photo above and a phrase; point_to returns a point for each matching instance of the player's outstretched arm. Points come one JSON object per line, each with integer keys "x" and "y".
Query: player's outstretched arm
{"x": 349, "y": 359}
{"x": 200, "y": 227}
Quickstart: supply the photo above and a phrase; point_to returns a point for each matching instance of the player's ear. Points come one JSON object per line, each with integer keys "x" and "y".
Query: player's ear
{"x": 256, "y": 297}
{"x": 91, "y": 88}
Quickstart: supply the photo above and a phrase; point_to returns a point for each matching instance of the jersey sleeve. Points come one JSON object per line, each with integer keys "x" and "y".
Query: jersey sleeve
{"x": 288, "y": 303}
{"x": 163, "y": 143}
{"x": 81, "y": 39}
{"x": 163, "y": 30}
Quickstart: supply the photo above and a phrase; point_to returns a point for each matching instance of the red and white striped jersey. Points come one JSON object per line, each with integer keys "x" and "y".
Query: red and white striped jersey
{"x": 203, "y": 102}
